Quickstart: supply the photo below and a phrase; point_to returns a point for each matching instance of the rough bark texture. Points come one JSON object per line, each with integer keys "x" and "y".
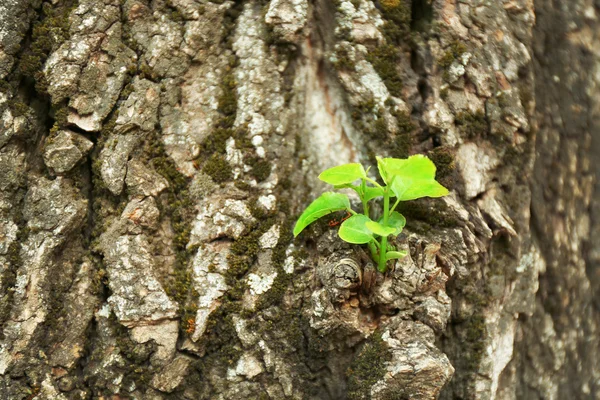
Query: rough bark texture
{"x": 154, "y": 156}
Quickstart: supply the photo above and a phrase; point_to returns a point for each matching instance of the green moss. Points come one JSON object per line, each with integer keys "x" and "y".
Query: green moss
{"x": 127, "y": 90}
{"x": 137, "y": 368}
{"x": 405, "y": 125}
{"x": 455, "y": 50}
{"x": 364, "y": 116}
{"x": 218, "y": 168}
{"x": 5, "y": 86}
{"x": 385, "y": 59}
{"x": 176, "y": 204}
{"x": 146, "y": 72}
{"x": 402, "y": 141}
{"x": 283, "y": 279}
{"x": 365, "y": 108}
{"x": 261, "y": 170}
{"x": 444, "y": 94}
{"x": 244, "y": 186}
{"x": 367, "y": 367}
{"x": 397, "y": 14}
{"x": 217, "y": 141}
{"x": 9, "y": 274}
{"x": 368, "y": 119}
{"x": 47, "y": 35}
{"x": 474, "y": 344}
{"x": 472, "y": 125}
{"x": 290, "y": 335}
{"x": 444, "y": 159}
{"x": 344, "y": 60}
{"x": 224, "y": 349}
{"x": 380, "y": 129}
{"x": 18, "y": 108}
{"x": 227, "y": 103}
{"x": 61, "y": 114}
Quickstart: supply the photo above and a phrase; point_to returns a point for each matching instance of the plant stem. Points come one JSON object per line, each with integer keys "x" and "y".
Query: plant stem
{"x": 365, "y": 204}
{"x": 374, "y": 182}
{"x": 373, "y": 250}
{"x": 394, "y": 206}
{"x": 383, "y": 247}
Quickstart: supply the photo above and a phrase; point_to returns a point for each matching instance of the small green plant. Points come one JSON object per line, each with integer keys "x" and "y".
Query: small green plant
{"x": 405, "y": 179}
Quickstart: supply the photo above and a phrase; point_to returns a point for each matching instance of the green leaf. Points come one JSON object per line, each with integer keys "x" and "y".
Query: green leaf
{"x": 394, "y": 255}
{"x": 411, "y": 178}
{"x": 379, "y": 229}
{"x": 396, "y": 221}
{"x": 327, "y": 203}
{"x": 373, "y": 192}
{"x": 410, "y": 189}
{"x": 382, "y": 167}
{"x": 346, "y": 186}
{"x": 353, "y": 230}
{"x": 343, "y": 174}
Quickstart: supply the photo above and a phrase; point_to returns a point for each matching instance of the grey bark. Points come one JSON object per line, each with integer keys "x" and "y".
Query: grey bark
{"x": 155, "y": 154}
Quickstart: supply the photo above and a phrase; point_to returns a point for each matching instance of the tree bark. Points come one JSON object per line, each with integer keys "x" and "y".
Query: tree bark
{"x": 154, "y": 156}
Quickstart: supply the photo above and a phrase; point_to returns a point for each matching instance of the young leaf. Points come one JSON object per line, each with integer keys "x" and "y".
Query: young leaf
{"x": 411, "y": 178}
{"x": 397, "y": 221}
{"x": 379, "y": 229}
{"x": 372, "y": 192}
{"x": 346, "y": 186}
{"x": 410, "y": 189}
{"x": 382, "y": 167}
{"x": 327, "y": 203}
{"x": 353, "y": 230}
{"x": 343, "y": 174}
{"x": 393, "y": 255}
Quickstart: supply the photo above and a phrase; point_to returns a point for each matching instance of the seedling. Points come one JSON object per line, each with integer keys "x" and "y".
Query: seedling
{"x": 404, "y": 179}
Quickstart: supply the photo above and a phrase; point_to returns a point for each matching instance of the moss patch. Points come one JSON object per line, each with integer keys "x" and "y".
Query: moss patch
{"x": 261, "y": 169}
{"x": 455, "y": 50}
{"x": 344, "y": 60}
{"x": 218, "y": 168}
{"x": 213, "y": 148}
{"x": 444, "y": 159}
{"x": 9, "y": 274}
{"x": 397, "y": 14}
{"x": 472, "y": 125}
{"x": 367, "y": 367}
{"x": 385, "y": 60}
{"x": 401, "y": 142}
{"x": 47, "y": 35}
{"x": 137, "y": 368}
{"x": 176, "y": 204}
{"x": 368, "y": 118}
{"x": 227, "y": 103}
{"x": 283, "y": 279}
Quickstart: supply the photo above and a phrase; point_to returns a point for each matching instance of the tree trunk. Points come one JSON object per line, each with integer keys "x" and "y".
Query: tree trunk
{"x": 154, "y": 156}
